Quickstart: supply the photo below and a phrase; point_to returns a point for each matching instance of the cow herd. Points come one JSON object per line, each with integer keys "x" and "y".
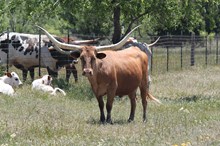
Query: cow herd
{"x": 112, "y": 70}
{"x": 24, "y": 51}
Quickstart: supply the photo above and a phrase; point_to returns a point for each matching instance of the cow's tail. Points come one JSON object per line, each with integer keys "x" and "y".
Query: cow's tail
{"x": 153, "y": 98}
{"x": 59, "y": 90}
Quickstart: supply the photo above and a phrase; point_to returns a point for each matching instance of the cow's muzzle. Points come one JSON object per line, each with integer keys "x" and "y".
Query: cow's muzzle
{"x": 87, "y": 72}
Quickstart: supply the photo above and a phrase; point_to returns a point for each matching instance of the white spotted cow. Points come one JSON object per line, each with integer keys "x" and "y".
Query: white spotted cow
{"x": 24, "y": 54}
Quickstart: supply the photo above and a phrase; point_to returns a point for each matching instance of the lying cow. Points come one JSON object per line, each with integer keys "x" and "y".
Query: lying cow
{"x": 8, "y": 82}
{"x": 44, "y": 84}
{"x": 112, "y": 73}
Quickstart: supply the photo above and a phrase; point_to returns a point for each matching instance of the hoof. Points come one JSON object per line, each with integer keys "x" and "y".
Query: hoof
{"x": 109, "y": 121}
{"x": 130, "y": 120}
{"x": 145, "y": 121}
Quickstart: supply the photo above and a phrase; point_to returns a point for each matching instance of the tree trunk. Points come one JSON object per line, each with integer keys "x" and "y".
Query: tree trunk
{"x": 117, "y": 27}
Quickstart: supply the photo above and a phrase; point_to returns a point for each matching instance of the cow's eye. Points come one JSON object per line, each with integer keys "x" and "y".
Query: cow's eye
{"x": 83, "y": 60}
{"x": 92, "y": 59}
{"x": 16, "y": 79}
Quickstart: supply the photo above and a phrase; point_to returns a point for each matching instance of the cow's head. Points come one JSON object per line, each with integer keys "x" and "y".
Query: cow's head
{"x": 87, "y": 54}
{"x": 47, "y": 80}
{"x": 12, "y": 79}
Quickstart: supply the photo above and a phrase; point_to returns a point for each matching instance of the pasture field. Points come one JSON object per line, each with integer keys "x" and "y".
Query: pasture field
{"x": 189, "y": 115}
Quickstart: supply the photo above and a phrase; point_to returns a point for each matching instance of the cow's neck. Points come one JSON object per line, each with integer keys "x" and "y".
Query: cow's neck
{"x": 94, "y": 78}
{"x": 93, "y": 82}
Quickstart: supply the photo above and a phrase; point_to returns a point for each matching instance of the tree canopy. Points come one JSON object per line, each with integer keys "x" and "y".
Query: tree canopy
{"x": 112, "y": 17}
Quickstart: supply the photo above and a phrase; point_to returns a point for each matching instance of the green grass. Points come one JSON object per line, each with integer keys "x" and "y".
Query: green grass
{"x": 190, "y": 114}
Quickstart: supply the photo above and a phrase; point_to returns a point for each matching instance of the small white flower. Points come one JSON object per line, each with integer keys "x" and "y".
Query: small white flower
{"x": 13, "y": 135}
{"x": 186, "y": 111}
{"x": 181, "y": 109}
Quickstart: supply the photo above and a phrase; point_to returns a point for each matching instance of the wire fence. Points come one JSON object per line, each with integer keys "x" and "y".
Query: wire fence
{"x": 177, "y": 52}
{"x": 173, "y": 52}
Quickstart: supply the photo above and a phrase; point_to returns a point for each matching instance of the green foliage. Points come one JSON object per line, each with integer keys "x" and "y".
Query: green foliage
{"x": 96, "y": 16}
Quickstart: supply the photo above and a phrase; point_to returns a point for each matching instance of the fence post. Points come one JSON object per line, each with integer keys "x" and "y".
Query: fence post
{"x": 217, "y": 49}
{"x": 68, "y": 36}
{"x": 7, "y": 67}
{"x": 167, "y": 58}
{"x": 151, "y": 67}
{"x": 39, "y": 71}
{"x": 206, "y": 51}
{"x": 192, "y": 55}
{"x": 181, "y": 52}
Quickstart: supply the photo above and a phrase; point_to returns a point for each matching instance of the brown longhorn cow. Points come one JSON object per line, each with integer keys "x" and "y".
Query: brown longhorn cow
{"x": 112, "y": 73}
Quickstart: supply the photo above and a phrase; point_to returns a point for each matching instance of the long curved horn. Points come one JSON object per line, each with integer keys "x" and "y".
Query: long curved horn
{"x": 3, "y": 33}
{"x": 118, "y": 45}
{"x": 84, "y": 42}
{"x": 149, "y": 45}
{"x": 59, "y": 44}
{"x": 60, "y": 50}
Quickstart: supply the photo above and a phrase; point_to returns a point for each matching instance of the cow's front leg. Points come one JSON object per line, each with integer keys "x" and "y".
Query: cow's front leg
{"x": 75, "y": 74}
{"x": 68, "y": 73}
{"x": 52, "y": 73}
{"x": 101, "y": 108}
{"x": 110, "y": 100}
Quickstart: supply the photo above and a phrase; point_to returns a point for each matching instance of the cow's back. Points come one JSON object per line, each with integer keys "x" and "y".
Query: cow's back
{"x": 127, "y": 68}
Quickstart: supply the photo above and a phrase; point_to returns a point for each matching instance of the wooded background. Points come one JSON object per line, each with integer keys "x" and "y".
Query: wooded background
{"x": 112, "y": 17}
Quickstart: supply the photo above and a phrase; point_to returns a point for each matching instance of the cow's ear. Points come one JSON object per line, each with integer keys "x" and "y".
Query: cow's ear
{"x": 100, "y": 55}
{"x": 8, "y": 74}
{"x": 75, "y": 54}
{"x": 49, "y": 77}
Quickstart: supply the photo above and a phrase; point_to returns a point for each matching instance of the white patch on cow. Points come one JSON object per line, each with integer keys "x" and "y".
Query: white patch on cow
{"x": 8, "y": 81}
{"x": 18, "y": 57}
{"x": 44, "y": 84}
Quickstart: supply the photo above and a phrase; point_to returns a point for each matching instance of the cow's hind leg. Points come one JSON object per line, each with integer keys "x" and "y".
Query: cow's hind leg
{"x": 144, "y": 102}
{"x": 24, "y": 74}
{"x": 132, "y": 97}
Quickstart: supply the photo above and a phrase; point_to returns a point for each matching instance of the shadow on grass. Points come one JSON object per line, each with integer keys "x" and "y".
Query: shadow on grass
{"x": 192, "y": 98}
{"x": 94, "y": 121}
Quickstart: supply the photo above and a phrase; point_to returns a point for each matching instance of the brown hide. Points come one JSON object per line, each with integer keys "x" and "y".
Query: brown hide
{"x": 119, "y": 73}
{"x": 123, "y": 70}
